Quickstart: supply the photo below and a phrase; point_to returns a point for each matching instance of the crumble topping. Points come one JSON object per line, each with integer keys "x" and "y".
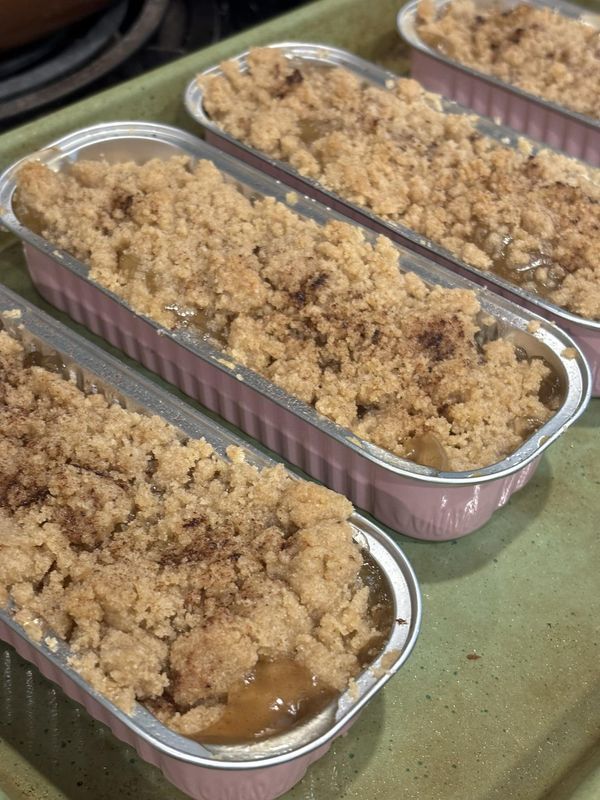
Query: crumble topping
{"x": 534, "y": 219}
{"x": 171, "y": 572}
{"x": 319, "y": 310}
{"x": 537, "y": 49}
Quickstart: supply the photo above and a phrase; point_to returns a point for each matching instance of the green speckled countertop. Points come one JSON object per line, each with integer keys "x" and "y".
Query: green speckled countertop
{"x": 521, "y": 722}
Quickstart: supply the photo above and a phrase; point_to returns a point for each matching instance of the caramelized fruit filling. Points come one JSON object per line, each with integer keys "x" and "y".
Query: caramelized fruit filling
{"x": 310, "y": 130}
{"x": 274, "y": 697}
{"x": 277, "y": 695}
{"x": 537, "y": 271}
{"x": 428, "y": 450}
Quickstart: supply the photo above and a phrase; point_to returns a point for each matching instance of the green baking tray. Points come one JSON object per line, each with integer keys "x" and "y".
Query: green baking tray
{"x": 501, "y": 698}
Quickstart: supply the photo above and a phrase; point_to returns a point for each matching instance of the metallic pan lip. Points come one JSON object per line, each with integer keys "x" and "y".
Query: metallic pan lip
{"x": 407, "y": 29}
{"x": 332, "y": 56}
{"x": 549, "y": 340}
{"x": 101, "y": 370}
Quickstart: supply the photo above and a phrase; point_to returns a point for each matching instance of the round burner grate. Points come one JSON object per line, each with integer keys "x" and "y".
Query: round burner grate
{"x": 126, "y": 40}
{"x": 53, "y": 70}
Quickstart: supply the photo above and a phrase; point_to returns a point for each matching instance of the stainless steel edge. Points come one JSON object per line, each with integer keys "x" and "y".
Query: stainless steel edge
{"x": 140, "y": 139}
{"x": 407, "y": 29}
{"x": 193, "y": 99}
{"x": 97, "y": 371}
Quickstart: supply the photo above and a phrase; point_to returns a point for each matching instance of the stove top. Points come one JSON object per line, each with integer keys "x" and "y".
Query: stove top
{"x": 128, "y": 38}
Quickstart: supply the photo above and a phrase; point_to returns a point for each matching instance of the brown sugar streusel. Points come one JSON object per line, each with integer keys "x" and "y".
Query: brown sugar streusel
{"x": 532, "y": 218}
{"x": 536, "y": 49}
{"x": 319, "y": 310}
{"x": 172, "y": 573}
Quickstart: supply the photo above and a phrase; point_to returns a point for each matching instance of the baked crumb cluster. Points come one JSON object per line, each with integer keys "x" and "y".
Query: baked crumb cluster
{"x": 320, "y": 311}
{"x": 537, "y": 49}
{"x": 170, "y": 571}
{"x": 534, "y": 219}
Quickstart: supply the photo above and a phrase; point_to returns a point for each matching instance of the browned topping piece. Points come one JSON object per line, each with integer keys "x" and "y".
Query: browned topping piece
{"x": 534, "y": 219}
{"x": 318, "y": 310}
{"x": 536, "y": 49}
{"x": 176, "y": 576}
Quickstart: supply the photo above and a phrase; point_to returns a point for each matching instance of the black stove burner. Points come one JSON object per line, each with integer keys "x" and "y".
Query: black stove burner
{"x": 129, "y": 38}
{"x": 19, "y": 60}
{"x": 84, "y": 53}
{"x": 185, "y": 27}
{"x": 68, "y": 57}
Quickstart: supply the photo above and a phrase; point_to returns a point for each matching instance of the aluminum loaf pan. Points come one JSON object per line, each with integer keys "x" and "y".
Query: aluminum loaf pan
{"x": 574, "y": 133}
{"x": 585, "y": 332}
{"x": 259, "y": 771}
{"x": 419, "y": 501}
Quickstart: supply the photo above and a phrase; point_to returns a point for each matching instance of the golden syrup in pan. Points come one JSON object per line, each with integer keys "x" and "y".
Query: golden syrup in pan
{"x": 273, "y": 698}
{"x": 279, "y": 694}
{"x": 540, "y": 274}
{"x": 311, "y": 130}
{"x": 27, "y": 217}
{"x": 428, "y": 450}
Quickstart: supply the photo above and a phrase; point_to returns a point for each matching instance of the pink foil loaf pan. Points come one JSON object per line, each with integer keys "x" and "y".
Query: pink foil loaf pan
{"x": 586, "y": 332}
{"x": 416, "y": 500}
{"x": 260, "y": 770}
{"x": 566, "y": 130}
